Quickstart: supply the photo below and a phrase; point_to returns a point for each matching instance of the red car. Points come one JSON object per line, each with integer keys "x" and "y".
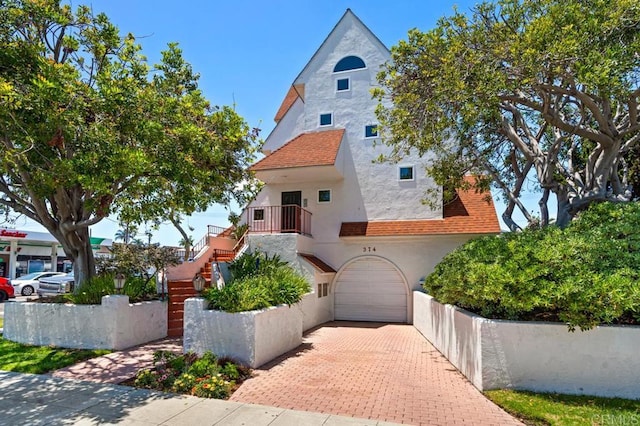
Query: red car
{"x": 6, "y": 289}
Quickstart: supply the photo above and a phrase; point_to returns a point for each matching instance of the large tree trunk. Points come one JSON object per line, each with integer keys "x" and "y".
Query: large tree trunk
{"x": 563, "y": 216}
{"x": 84, "y": 265}
{"x": 77, "y": 246}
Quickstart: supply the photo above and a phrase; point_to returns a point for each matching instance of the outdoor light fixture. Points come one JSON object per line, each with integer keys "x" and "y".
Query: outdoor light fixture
{"x": 118, "y": 282}
{"x": 198, "y": 283}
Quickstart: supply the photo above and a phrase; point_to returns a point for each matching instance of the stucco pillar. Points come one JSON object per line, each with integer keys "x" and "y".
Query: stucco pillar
{"x": 54, "y": 257}
{"x": 13, "y": 259}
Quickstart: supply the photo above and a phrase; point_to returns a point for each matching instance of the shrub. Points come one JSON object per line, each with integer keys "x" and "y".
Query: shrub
{"x": 258, "y": 282}
{"x": 93, "y": 290}
{"x": 584, "y": 275}
{"x": 205, "y": 376}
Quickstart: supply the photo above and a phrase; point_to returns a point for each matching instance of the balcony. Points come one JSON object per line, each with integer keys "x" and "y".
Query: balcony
{"x": 291, "y": 219}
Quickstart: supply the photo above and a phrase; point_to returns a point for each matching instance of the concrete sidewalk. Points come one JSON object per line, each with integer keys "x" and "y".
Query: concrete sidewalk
{"x": 30, "y": 399}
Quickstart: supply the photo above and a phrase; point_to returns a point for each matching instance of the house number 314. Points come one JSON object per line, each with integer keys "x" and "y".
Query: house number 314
{"x": 368, "y": 249}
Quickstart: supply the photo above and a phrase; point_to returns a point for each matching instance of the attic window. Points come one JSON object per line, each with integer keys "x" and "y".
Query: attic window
{"x": 349, "y": 63}
{"x": 342, "y": 84}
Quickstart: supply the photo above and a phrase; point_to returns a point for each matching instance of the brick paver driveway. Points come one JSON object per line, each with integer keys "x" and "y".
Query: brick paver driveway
{"x": 368, "y": 370}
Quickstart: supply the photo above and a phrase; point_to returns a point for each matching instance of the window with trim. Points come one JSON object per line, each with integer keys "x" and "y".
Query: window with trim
{"x": 324, "y": 196}
{"x": 406, "y": 173}
{"x": 371, "y": 131}
{"x": 349, "y": 63}
{"x": 342, "y": 85}
{"x": 258, "y": 214}
{"x": 323, "y": 290}
{"x": 326, "y": 119}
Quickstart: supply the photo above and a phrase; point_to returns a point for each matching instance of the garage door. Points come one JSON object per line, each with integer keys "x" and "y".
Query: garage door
{"x": 370, "y": 289}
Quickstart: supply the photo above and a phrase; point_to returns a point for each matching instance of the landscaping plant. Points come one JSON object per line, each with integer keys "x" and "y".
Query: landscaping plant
{"x": 138, "y": 289}
{"x": 586, "y": 274}
{"x": 205, "y": 376}
{"x": 258, "y": 282}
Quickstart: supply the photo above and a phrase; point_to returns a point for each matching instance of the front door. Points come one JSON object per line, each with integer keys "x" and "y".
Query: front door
{"x": 291, "y": 203}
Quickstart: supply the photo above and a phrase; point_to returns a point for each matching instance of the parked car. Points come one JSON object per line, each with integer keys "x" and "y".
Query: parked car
{"x": 27, "y": 285}
{"x": 6, "y": 289}
{"x": 59, "y": 284}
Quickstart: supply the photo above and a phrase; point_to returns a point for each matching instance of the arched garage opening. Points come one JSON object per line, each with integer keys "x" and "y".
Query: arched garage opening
{"x": 370, "y": 288}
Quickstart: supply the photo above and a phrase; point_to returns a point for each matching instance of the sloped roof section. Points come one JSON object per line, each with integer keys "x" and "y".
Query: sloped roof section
{"x": 347, "y": 18}
{"x": 318, "y": 263}
{"x": 470, "y": 213}
{"x": 287, "y": 103}
{"x": 305, "y": 150}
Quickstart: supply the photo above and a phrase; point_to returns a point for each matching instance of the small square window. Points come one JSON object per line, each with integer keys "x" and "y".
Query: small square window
{"x": 405, "y": 173}
{"x": 371, "y": 131}
{"x": 342, "y": 85}
{"x": 326, "y": 119}
{"x": 258, "y": 214}
{"x": 324, "y": 196}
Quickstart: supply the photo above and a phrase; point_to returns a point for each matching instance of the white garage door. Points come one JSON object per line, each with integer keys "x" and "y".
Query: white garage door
{"x": 370, "y": 289}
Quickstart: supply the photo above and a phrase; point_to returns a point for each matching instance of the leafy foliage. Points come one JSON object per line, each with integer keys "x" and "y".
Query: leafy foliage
{"x": 89, "y": 128}
{"x": 544, "y": 92}
{"x": 136, "y": 260}
{"x": 205, "y": 376}
{"x": 258, "y": 282}
{"x": 137, "y": 288}
{"x": 255, "y": 263}
{"x": 584, "y": 275}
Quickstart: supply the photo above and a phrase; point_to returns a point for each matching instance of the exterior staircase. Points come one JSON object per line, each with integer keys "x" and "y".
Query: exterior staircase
{"x": 182, "y": 289}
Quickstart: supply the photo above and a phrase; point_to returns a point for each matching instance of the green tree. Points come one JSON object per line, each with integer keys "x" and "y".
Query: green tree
{"x": 89, "y": 128}
{"x": 126, "y": 233}
{"x": 138, "y": 260}
{"x": 548, "y": 88}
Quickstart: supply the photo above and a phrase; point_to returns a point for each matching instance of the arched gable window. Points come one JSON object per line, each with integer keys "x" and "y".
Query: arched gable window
{"x": 349, "y": 63}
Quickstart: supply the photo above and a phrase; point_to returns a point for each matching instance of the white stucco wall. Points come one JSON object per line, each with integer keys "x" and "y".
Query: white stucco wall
{"x": 115, "y": 324}
{"x": 252, "y": 338}
{"x": 315, "y": 310}
{"x": 542, "y": 357}
{"x": 369, "y": 190}
{"x": 455, "y": 334}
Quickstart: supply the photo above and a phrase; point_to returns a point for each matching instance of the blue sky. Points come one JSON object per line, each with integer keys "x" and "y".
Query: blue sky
{"x": 249, "y": 52}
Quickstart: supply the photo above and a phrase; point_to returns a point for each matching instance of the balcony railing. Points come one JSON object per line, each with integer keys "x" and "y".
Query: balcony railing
{"x": 279, "y": 220}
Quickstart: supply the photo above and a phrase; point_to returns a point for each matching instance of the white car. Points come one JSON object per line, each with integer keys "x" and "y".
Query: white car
{"x": 27, "y": 285}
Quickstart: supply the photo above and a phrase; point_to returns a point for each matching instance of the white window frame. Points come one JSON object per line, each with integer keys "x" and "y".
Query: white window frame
{"x": 325, "y": 202}
{"x": 407, "y": 166}
{"x": 365, "y": 131}
{"x": 320, "y": 119}
{"x": 348, "y": 89}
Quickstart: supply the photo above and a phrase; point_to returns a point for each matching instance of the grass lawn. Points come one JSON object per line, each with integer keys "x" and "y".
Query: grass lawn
{"x": 1, "y": 322}
{"x": 40, "y": 359}
{"x": 555, "y": 409}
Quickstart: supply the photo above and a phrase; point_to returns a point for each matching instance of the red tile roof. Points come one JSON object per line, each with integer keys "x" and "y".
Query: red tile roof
{"x": 287, "y": 103}
{"x": 307, "y": 149}
{"x": 470, "y": 213}
{"x": 317, "y": 263}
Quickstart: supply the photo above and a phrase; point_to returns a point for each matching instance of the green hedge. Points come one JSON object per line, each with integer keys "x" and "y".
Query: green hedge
{"x": 584, "y": 275}
{"x": 258, "y": 282}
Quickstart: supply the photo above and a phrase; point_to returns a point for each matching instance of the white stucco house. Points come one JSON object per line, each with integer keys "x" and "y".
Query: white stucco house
{"x": 358, "y": 228}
